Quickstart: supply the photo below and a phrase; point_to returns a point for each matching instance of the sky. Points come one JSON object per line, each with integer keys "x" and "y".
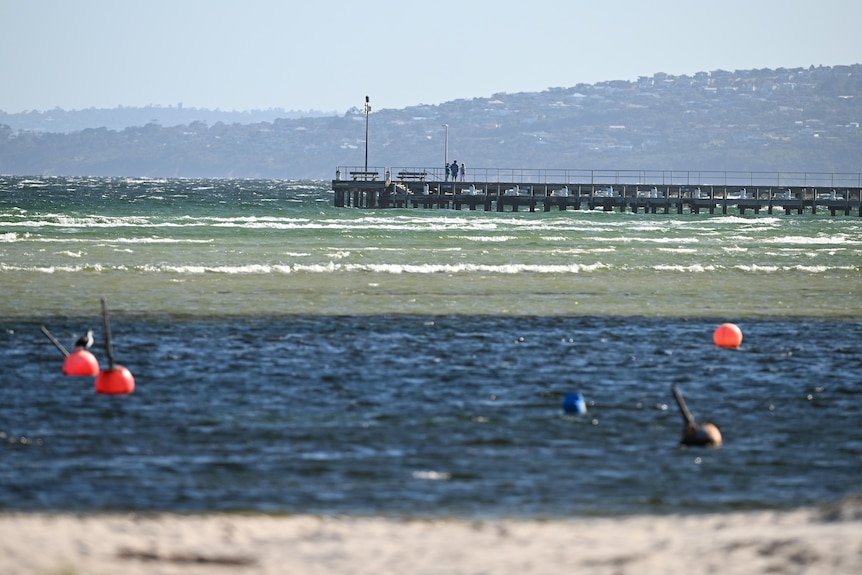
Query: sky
{"x": 327, "y": 55}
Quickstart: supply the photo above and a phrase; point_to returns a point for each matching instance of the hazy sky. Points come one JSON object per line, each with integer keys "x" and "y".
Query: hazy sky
{"x": 328, "y": 54}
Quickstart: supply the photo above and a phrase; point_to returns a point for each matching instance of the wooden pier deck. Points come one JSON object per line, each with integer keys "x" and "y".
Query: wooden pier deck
{"x": 541, "y": 190}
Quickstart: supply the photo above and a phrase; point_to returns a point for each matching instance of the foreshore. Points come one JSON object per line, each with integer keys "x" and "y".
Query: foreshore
{"x": 825, "y": 540}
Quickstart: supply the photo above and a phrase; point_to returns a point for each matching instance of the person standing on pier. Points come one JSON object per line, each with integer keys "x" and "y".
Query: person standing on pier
{"x": 447, "y": 172}
{"x": 454, "y": 168}
{"x": 463, "y": 171}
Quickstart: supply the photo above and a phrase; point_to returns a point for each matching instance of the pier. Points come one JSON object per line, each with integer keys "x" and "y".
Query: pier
{"x": 607, "y": 190}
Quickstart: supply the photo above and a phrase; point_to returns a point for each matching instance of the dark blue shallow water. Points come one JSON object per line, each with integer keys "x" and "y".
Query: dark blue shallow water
{"x": 443, "y": 416}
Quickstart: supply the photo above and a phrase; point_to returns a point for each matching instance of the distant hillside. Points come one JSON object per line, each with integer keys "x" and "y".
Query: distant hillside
{"x": 65, "y": 121}
{"x": 800, "y": 119}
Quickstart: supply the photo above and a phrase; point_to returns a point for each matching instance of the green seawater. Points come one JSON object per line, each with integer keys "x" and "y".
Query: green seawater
{"x": 254, "y": 247}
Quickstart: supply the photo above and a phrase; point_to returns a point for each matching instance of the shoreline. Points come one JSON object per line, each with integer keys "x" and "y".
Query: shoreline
{"x": 826, "y": 539}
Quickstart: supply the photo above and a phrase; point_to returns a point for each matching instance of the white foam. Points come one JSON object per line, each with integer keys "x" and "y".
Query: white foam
{"x": 693, "y": 268}
{"x": 757, "y": 268}
{"x": 679, "y": 250}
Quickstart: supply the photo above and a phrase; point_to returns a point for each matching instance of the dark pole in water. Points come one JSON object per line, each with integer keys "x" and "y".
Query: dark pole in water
{"x": 683, "y": 408}
{"x": 109, "y": 349}
{"x": 367, "y": 109}
{"x": 53, "y": 339}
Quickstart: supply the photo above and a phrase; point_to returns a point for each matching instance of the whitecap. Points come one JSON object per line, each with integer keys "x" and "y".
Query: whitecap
{"x": 694, "y": 268}
{"x": 757, "y": 268}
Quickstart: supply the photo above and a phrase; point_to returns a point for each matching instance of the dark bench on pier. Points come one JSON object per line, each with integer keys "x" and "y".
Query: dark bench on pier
{"x": 365, "y": 175}
{"x": 412, "y": 176}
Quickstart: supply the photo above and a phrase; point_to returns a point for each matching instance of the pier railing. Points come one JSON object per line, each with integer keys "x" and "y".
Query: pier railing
{"x": 619, "y": 177}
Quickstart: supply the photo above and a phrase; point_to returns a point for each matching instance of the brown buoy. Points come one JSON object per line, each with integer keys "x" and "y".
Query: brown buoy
{"x": 706, "y": 435}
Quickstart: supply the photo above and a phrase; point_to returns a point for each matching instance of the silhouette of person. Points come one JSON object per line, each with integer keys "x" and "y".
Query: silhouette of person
{"x": 463, "y": 171}
{"x": 454, "y": 168}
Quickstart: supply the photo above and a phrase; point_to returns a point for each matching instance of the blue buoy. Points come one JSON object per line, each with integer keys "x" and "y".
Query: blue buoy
{"x": 574, "y": 403}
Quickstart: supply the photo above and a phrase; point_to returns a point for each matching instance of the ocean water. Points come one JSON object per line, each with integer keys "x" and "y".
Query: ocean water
{"x": 291, "y": 357}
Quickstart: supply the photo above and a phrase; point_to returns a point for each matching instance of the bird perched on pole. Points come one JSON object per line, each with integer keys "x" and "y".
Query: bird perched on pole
{"x": 85, "y": 341}
{"x": 706, "y": 435}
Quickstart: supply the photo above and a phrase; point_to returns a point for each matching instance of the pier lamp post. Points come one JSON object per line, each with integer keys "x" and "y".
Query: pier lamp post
{"x": 446, "y": 146}
{"x": 367, "y": 109}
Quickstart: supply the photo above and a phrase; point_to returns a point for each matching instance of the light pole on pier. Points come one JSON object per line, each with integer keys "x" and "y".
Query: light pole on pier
{"x": 367, "y": 109}
{"x": 446, "y": 145}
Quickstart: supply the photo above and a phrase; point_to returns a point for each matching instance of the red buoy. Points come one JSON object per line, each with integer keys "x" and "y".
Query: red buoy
{"x": 727, "y": 335}
{"x": 115, "y": 380}
{"x": 80, "y": 362}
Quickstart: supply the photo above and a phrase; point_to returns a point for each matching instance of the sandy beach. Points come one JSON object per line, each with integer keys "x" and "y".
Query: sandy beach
{"x": 824, "y": 540}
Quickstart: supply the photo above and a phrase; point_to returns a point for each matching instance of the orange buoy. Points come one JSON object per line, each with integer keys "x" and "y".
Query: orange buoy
{"x": 80, "y": 362}
{"x": 727, "y": 335}
{"x": 115, "y": 380}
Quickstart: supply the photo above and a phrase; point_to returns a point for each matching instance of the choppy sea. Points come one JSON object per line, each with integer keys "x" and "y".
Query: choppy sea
{"x": 293, "y": 357}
